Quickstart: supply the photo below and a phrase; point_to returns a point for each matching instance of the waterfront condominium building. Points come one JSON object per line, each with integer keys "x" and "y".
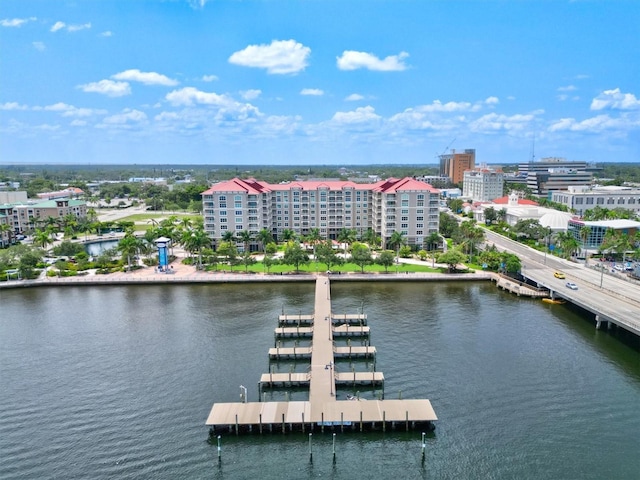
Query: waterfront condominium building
{"x": 581, "y": 199}
{"x": 405, "y": 205}
{"x": 454, "y": 164}
{"x": 483, "y": 184}
{"x": 27, "y": 216}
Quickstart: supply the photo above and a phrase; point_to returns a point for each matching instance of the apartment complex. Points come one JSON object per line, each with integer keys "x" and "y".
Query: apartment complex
{"x": 405, "y": 205}
{"x": 483, "y": 184}
{"x": 5, "y": 236}
{"x": 553, "y": 174}
{"x": 581, "y": 199}
{"x": 27, "y": 216}
{"x": 453, "y": 164}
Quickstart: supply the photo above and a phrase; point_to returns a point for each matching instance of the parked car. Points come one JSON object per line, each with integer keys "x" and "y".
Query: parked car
{"x": 618, "y": 267}
{"x": 559, "y": 275}
{"x": 572, "y": 286}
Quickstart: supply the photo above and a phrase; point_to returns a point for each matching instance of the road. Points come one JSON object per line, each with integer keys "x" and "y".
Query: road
{"x": 610, "y": 296}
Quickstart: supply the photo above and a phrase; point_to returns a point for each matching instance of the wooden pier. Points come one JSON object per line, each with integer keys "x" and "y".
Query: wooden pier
{"x": 323, "y": 409}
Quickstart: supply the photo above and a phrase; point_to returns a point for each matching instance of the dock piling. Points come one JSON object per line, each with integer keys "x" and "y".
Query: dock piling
{"x": 219, "y": 450}
{"x": 334, "y": 448}
{"x": 424, "y": 445}
{"x": 310, "y": 451}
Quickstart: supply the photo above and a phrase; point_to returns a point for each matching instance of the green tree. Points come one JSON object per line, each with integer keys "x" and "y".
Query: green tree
{"x": 247, "y": 260}
{"x": 396, "y": 241}
{"x": 346, "y": 236}
{"x": 264, "y": 237}
{"x": 228, "y": 250}
{"x": 28, "y": 262}
{"x": 245, "y": 236}
{"x": 129, "y": 246}
{"x": 269, "y": 261}
{"x": 448, "y": 225}
{"x": 326, "y": 254}
{"x": 452, "y": 258}
{"x": 490, "y": 215}
{"x": 361, "y": 255}
{"x": 295, "y": 255}
{"x": 386, "y": 258}
{"x": 42, "y": 238}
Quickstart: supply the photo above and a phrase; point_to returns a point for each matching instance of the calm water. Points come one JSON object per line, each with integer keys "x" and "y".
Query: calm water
{"x": 117, "y": 382}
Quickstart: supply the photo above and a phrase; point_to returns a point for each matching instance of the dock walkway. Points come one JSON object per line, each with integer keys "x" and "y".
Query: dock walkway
{"x": 322, "y": 409}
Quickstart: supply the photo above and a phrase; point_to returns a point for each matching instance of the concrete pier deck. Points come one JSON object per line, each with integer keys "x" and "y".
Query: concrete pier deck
{"x": 322, "y": 409}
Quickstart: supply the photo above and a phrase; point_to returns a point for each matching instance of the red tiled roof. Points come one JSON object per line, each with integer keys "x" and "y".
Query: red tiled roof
{"x": 392, "y": 185}
{"x": 521, "y": 201}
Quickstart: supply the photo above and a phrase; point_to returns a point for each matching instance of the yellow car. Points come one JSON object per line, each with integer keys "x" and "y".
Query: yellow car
{"x": 559, "y": 275}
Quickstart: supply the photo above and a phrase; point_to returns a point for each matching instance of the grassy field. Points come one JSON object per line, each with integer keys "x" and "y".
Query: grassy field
{"x": 319, "y": 267}
{"x": 143, "y": 217}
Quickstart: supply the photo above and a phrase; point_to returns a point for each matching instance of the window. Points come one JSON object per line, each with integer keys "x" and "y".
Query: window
{"x": 238, "y": 219}
{"x": 600, "y": 201}
{"x": 223, "y": 220}
{"x": 223, "y": 213}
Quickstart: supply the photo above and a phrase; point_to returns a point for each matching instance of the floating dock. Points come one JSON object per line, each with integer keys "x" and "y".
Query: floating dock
{"x": 322, "y": 410}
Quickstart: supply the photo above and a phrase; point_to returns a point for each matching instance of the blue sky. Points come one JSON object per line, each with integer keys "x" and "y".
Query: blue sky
{"x": 318, "y": 82}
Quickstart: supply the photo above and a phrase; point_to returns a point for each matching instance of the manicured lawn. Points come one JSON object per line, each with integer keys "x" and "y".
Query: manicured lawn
{"x": 314, "y": 268}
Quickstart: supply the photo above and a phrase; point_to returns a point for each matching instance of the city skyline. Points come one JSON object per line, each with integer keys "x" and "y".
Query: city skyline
{"x": 318, "y": 82}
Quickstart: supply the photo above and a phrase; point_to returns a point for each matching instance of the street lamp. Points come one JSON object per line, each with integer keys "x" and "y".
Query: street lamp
{"x": 329, "y": 367}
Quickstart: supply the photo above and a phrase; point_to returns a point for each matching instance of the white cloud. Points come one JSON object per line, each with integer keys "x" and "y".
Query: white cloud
{"x": 279, "y": 57}
{"x": 614, "y": 99}
{"x": 359, "y": 115}
{"x": 251, "y": 94}
{"x": 492, "y": 101}
{"x": 128, "y": 116}
{"x": 438, "y": 106}
{"x": 354, "y": 97}
{"x": 493, "y": 122}
{"x": 71, "y": 111}
{"x": 78, "y": 123}
{"x": 209, "y": 78}
{"x": 353, "y": 60}
{"x": 107, "y": 87}
{"x": 13, "y": 106}
{"x": 107, "y": 33}
{"x": 58, "y": 26}
{"x": 197, "y": 3}
{"x": 568, "y": 88}
{"x": 189, "y": 96}
{"x": 595, "y": 124}
{"x": 39, "y": 46}
{"x": 15, "y": 22}
{"x": 227, "y": 109}
{"x": 69, "y": 28}
{"x": 312, "y": 91}
{"x": 76, "y": 28}
{"x": 148, "y": 78}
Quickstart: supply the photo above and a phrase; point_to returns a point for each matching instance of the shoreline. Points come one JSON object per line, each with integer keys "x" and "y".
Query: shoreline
{"x": 184, "y": 278}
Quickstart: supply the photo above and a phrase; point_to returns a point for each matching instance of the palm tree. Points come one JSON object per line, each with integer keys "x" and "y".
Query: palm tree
{"x": 42, "y": 238}
{"x": 313, "y": 238}
{"x": 129, "y": 247}
{"x": 396, "y": 241}
{"x": 194, "y": 241}
{"x": 288, "y": 235}
{"x": 264, "y": 237}
{"x": 585, "y": 231}
{"x": 347, "y": 237}
{"x": 228, "y": 236}
{"x": 245, "y": 236}
{"x": 5, "y": 228}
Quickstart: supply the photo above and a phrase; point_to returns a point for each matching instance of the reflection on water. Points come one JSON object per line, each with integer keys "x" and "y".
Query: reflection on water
{"x": 115, "y": 382}
{"x": 96, "y": 248}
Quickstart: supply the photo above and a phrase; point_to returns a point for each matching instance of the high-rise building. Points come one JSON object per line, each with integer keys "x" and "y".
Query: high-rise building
{"x": 553, "y": 174}
{"x": 404, "y": 205}
{"x": 453, "y": 164}
{"x": 483, "y": 184}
